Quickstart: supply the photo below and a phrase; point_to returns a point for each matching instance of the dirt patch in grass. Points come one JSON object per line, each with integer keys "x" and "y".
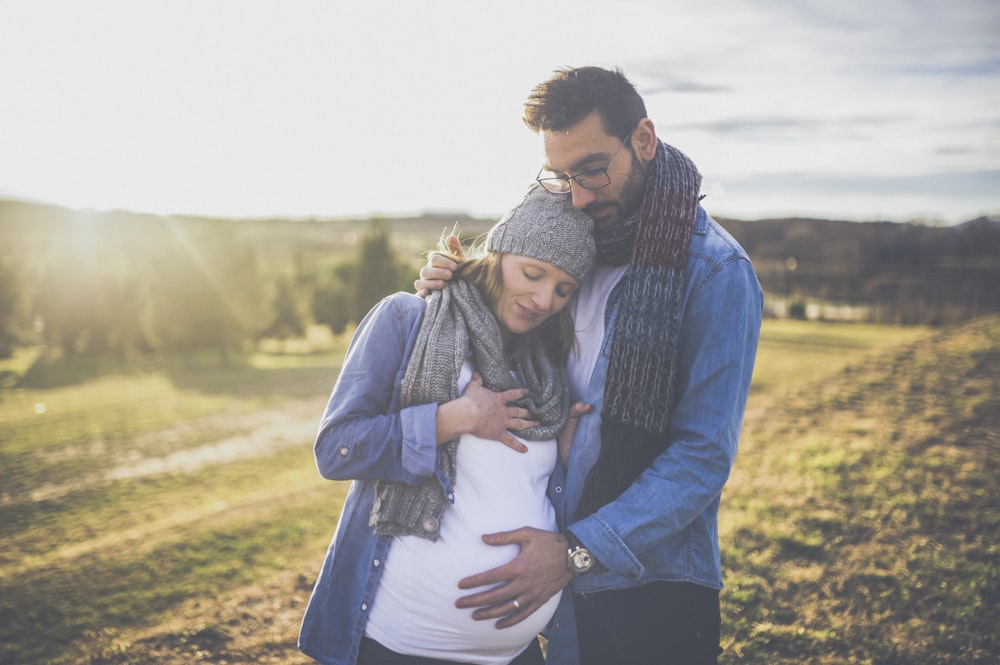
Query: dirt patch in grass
{"x": 253, "y": 624}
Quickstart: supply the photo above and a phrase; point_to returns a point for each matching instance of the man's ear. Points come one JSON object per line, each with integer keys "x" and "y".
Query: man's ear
{"x": 644, "y": 140}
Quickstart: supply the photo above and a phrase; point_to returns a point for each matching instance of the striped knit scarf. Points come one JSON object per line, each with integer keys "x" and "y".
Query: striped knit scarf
{"x": 639, "y": 388}
{"x": 457, "y": 319}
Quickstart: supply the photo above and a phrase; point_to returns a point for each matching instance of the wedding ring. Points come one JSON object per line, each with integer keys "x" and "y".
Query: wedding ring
{"x": 517, "y": 605}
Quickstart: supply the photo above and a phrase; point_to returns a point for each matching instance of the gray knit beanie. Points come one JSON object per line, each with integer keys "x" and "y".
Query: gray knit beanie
{"x": 547, "y": 227}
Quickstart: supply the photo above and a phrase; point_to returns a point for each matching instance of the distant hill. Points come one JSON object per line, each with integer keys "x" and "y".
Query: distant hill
{"x": 894, "y": 272}
{"x": 22, "y": 224}
{"x": 411, "y": 235}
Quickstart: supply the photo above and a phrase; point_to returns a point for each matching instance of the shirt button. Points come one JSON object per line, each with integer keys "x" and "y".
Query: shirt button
{"x": 430, "y": 525}
{"x": 364, "y": 607}
{"x": 344, "y": 451}
{"x": 451, "y": 496}
{"x": 376, "y": 563}
{"x": 558, "y": 489}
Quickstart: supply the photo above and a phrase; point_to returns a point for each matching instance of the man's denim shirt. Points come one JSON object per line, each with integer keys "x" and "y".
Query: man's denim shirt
{"x": 664, "y": 527}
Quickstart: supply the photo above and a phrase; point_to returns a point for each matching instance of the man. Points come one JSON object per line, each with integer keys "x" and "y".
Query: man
{"x": 667, "y": 331}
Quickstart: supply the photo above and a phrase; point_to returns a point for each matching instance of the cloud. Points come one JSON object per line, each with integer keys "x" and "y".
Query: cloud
{"x": 337, "y": 108}
{"x": 669, "y": 84}
{"x": 984, "y": 184}
{"x": 973, "y": 67}
{"x": 788, "y": 127}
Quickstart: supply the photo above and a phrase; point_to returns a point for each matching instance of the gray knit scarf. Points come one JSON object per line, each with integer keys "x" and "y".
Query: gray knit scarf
{"x": 639, "y": 388}
{"x": 457, "y": 319}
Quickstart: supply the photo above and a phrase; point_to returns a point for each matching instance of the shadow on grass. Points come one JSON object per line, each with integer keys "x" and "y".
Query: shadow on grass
{"x": 294, "y": 376}
{"x": 44, "y": 612}
{"x": 246, "y": 381}
{"x": 37, "y": 600}
{"x": 58, "y": 371}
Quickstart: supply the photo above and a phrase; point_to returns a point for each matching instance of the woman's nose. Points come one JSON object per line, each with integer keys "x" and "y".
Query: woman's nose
{"x": 543, "y": 299}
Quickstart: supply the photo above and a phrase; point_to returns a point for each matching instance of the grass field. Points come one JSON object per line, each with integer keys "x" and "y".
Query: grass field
{"x": 174, "y": 515}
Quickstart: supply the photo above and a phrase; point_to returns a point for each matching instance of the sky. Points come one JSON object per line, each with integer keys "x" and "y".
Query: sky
{"x": 842, "y": 109}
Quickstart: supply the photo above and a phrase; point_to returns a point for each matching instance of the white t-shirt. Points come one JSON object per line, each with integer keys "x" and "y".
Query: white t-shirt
{"x": 496, "y": 489}
{"x": 588, "y": 324}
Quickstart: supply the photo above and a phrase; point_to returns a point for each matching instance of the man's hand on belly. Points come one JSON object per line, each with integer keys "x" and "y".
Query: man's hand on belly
{"x": 536, "y": 574}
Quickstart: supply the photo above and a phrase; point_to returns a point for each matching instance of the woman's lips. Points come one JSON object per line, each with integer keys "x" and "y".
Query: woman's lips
{"x": 525, "y": 313}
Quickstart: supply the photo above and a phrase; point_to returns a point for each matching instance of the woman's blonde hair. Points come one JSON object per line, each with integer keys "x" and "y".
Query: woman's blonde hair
{"x": 483, "y": 270}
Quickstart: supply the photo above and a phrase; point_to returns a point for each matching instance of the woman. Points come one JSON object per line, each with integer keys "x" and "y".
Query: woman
{"x": 422, "y": 418}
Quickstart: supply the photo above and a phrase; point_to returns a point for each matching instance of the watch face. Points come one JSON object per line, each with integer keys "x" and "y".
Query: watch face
{"x": 582, "y": 561}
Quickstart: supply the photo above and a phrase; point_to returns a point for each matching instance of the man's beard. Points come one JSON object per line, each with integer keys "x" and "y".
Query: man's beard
{"x": 614, "y": 242}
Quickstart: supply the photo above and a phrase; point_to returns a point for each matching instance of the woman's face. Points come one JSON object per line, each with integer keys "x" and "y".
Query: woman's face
{"x": 532, "y": 292}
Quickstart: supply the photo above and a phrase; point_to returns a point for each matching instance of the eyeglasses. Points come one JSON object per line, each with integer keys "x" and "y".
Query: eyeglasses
{"x": 592, "y": 179}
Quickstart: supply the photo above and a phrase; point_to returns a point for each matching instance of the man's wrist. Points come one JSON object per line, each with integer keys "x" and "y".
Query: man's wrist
{"x": 578, "y": 558}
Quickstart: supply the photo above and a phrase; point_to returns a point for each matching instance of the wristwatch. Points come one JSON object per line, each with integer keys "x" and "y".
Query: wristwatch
{"x": 578, "y": 558}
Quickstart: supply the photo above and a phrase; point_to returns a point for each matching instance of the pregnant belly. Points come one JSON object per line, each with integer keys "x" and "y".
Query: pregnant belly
{"x": 414, "y": 609}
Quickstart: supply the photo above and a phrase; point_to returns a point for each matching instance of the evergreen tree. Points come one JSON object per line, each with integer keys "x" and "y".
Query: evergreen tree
{"x": 288, "y": 320}
{"x": 355, "y": 287}
{"x": 377, "y": 270}
{"x": 332, "y": 300}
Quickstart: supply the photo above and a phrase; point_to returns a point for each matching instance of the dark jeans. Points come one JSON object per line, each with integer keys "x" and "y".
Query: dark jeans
{"x": 373, "y": 653}
{"x": 664, "y": 623}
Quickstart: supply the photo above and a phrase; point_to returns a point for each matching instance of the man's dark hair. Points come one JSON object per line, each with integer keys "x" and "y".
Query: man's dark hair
{"x": 572, "y": 94}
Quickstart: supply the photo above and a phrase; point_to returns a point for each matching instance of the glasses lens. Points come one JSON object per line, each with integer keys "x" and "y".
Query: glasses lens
{"x": 593, "y": 179}
{"x": 555, "y": 185}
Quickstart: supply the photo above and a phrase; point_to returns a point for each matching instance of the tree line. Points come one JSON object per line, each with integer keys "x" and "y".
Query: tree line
{"x": 895, "y": 273}
{"x": 138, "y": 285}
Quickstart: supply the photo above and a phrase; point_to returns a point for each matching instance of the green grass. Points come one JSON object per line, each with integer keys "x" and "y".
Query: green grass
{"x": 795, "y": 352}
{"x": 860, "y": 524}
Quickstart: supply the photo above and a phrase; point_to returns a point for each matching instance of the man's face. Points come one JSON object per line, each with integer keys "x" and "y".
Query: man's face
{"x": 587, "y": 146}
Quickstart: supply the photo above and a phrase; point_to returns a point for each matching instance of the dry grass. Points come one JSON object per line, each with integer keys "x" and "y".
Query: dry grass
{"x": 860, "y": 526}
{"x": 861, "y": 523}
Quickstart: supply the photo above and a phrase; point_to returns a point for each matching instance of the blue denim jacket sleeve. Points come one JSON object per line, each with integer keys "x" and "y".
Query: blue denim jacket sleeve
{"x": 681, "y": 488}
{"x": 364, "y": 435}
